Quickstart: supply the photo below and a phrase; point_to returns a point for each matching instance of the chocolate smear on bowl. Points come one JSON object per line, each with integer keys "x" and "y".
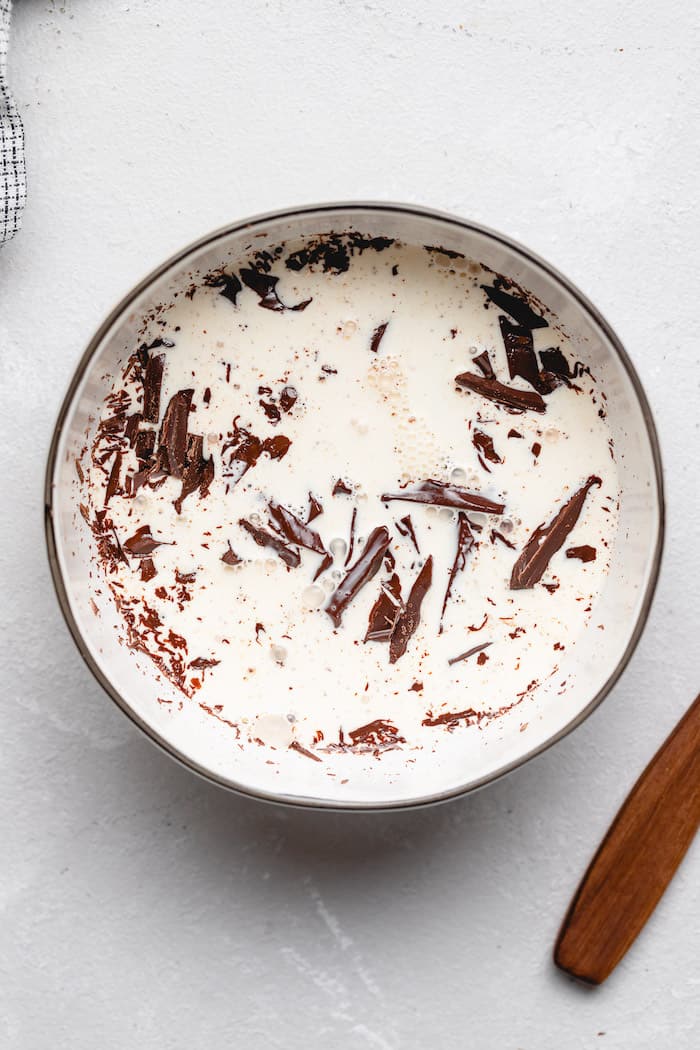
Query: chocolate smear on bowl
{"x": 483, "y": 363}
{"x": 470, "y": 652}
{"x": 365, "y": 568}
{"x": 377, "y": 336}
{"x": 152, "y": 381}
{"x": 508, "y": 396}
{"x": 405, "y": 528}
{"x": 264, "y": 538}
{"x": 230, "y": 557}
{"x": 409, "y": 618}
{"x": 518, "y": 309}
{"x": 440, "y": 494}
{"x": 315, "y": 509}
{"x": 584, "y": 553}
{"x": 142, "y": 543}
{"x": 465, "y": 543}
{"x": 483, "y": 443}
{"x": 447, "y": 252}
{"x": 173, "y": 431}
{"x": 228, "y": 284}
{"x": 294, "y": 529}
{"x": 385, "y": 611}
{"x": 265, "y": 287}
{"x": 546, "y": 540}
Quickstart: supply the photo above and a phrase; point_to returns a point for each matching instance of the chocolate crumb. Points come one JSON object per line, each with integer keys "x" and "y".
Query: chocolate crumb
{"x": 377, "y": 336}
{"x": 585, "y": 553}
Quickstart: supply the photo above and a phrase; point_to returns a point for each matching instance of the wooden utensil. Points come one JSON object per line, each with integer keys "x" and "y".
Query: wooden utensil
{"x": 637, "y": 858}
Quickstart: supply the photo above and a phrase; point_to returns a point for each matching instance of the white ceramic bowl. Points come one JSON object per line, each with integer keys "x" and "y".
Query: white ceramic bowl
{"x": 465, "y": 760}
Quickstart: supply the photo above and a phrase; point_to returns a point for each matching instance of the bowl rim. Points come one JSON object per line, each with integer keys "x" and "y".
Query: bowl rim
{"x": 292, "y": 213}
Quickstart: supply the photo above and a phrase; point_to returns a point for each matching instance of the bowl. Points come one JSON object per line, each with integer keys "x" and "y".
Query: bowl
{"x": 472, "y": 755}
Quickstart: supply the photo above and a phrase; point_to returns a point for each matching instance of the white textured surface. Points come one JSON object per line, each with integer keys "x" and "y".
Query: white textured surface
{"x": 144, "y": 908}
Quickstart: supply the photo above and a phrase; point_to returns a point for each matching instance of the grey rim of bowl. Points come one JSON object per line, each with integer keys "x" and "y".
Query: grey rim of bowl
{"x": 292, "y": 213}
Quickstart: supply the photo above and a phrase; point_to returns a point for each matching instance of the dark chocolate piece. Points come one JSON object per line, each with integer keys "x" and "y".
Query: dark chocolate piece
{"x": 288, "y": 398}
{"x": 409, "y": 618}
{"x": 584, "y": 553}
{"x": 271, "y": 411}
{"x": 440, "y": 494}
{"x": 228, "y": 283}
{"x": 405, "y": 528}
{"x": 554, "y": 361}
{"x": 509, "y": 396}
{"x": 326, "y": 563}
{"x": 385, "y": 611}
{"x": 265, "y": 286}
{"x": 131, "y": 430}
{"x": 113, "y": 481}
{"x": 148, "y": 570}
{"x": 198, "y": 472}
{"x": 276, "y": 447}
{"x": 518, "y": 309}
{"x": 315, "y": 508}
{"x": 144, "y": 445}
{"x": 378, "y": 733}
{"x": 230, "y": 557}
{"x": 483, "y": 443}
{"x": 263, "y": 538}
{"x": 248, "y": 448}
{"x": 364, "y": 569}
{"x": 514, "y": 433}
{"x": 152, "y": 381}
{"x": 465, "y": 542}
{"x": 142, "y": 544}
{"x": 377, "y": 336}
{"x": 296, "y": 746}
{"x": 520, "y": 352}
{"x": 496, "y": 535}
{"x": 173, "y": 431}
{"x": 536, "y": 449}
{"x": 483, "y": 363}
{"x": 546, "y": 540}
{"x": 294, "y": 529}
{"x": 340, "y": 488}
{"x": 351, "y": 541}
{"x": 203, "y": 663}
{"x": 469, "y": 652}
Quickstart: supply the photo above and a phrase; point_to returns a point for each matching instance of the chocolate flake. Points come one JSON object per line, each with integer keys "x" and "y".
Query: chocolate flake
{"x": 585, "y": 553}
{"x": 341, "y": 488}
{"x": 514, "y": 433}
{"x": 265, "y": 286}
{"x": 385, "y": 611}
{"x": 377, "y": 336}
{"x": 546, "y": 540}
{"x": 469, "y": 652}
{"x": 294, "y": 529}
{"x": 296, "y": 746}
{"x": 351, "y": 541}
{"x": 405, "y": 528}
{"x": 496, "y": 535}
{"x": 379, "y": 733}
{"x": 518, "y": 309}
{"x": 113, "y": 482}
{"x": 315, "y": 508}
{"x": 142, "y": 543}
{"x": 483, "y": 363}
{"x": 198, "y": 472}
{"x": 148, "y": 570}
{"x": 364, "y": 569}
{"x": 230, "y": 557}
{"x": 271, "y": 411}
{"x": 520, "y": 352}
{"x": 276, "y": 447}
{"x": 409, "y": 618}
{"x": 553, "y": 361}
{"x": 465, "y": 542}
{"x": 263, "y": 538}
{"x": 325, "y": 564}
{"x": 536, "y": 449}
{"x": 203, "y": 663}
{"x": 483, "y": 443}
{"x": 173, "y": 431}
{"x": 144, "y": 445}
{"x": 509, "y": 396}
{"x": 440, "y": 494}
{"x": 152, "y": 381}
{"x": 228, "y": 283}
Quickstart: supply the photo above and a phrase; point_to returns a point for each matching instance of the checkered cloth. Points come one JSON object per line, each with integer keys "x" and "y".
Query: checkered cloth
{"x": 13, "y": 183}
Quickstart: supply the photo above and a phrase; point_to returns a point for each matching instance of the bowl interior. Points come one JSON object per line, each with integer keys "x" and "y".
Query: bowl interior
{"x": 466, "y": 759}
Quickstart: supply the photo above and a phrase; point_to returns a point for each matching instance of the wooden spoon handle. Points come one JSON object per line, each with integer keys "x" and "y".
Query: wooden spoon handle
{"x": 637, "y": 858}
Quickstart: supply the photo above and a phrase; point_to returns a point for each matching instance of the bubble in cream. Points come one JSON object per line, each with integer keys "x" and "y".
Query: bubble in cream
{"x": 338, "y": 548}
{"x": 313, "y": 597}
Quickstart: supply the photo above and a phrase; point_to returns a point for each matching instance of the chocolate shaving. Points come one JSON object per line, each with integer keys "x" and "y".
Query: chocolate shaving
{"x": 509, "y": 396}
{"x": 315, "y": 508}
{"x": 296, "y": 746}
{"x": 263, "y": 538}
{"x": 288, "y": 398}
{"x": 553, "y": 361}
{"x": 152, "y": 381}
{"x": 409, "y": 618}
{"x": 465, "y": 542}
{"x": 113, "y": 482}
{"x": 483, "y": 443}
{"x": 546, "y": 540}
{"x": 385, "y": 611}
{"x": 377, "y": 336}
{"x": 248, "y": 448}
{"x": 198, "y": 472}
{"x": 142, "y": 544}
{"x": 440, "y": 494}
{"x": 203, "y": 663}
{"x": 351, "y": 541}
{"x": 585, "y": 553}
{"x": 230, "y": 557}
{"x": 144, "y": 445}
{"x": 173, "y": 432}
{"x": 496, "y": 535}
{"x": 341, "y": 488}
{"x": 469, "y": 652}
{"x": 520, "y": 352}
{"x": 265, "y": 286}
{"x": 536, "y": 449}
{"x": 228, "y": 283}
{"x": 483, "y": 363}
{"x": 518, "y": 309}
{"x": 405, "y": 528}
{"x": 206, "y": 396}
{"x": 378, "y": 733}
{"x": 364, "y": 569}
{"x": 294, "y": 529}
{"x": 276, "y": 447}
{"x": 131, "y": 428}
{"x": 325, "y": 564}
{"x": 271, "y": 411}
{"x": 451, "y": 719}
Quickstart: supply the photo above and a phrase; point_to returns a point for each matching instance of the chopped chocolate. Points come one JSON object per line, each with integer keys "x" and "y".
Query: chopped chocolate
{"x": 509, "y": 396}
{"x": 329, "y": 370}
{"x": 132, "y": 428}
{"x": 173, "y": 431}
{"x": 585, "y": 553}
{"x": 483, "y": 444}
{"x": 409, "y": 618}
{"x": 265, "y": 286}
{"x": 551, "y": 587}
{"x": 440, "y": 494}
{"x": 378, "y": 733}
{"x": 142, "y": 543}
{"x": 341, "y": 488}
{"x": 185, "y": 577}
{"x": 296, "y": 746}
{"x": 520, "y": 353}
{"x": 144, "y": 445}
{"x": 248, "y": 448}
{"x": 113, "y": 482}
{"x": 263, "y": 538}
{"x": 288, "y": 398}
{"x": 465, "y": 542}
{"x": 230, "y": 557}
{"x": 326, "y": 563}
{"x": 405, "y": 528}
{"x": 152, "y": 381}
{"x": 148, "y": 569}
{"x": 203, "y": 663}
{"x": 228, "y": 283}
{"x": 206, "y": 396}
{"x": 483, "y": 363}
{"x": 553, "y": 361}
{"x": 377, "y": 336}
{"x": 198, "y": 472}
{"x": 294, "y": 529}
{"x": 271, "y": 411}
{"x": 334, "y": 251}
{"x": 276, "y": 447}
{"x": 351, "y": 541}
{"x": 385, "y": 611}
{"x": 546, "y": 540}
{"x": 496, "y": 535}
{"x": 536, "y": 449}
{"x": 514, "y": 433}
{"x": 364, "y": 569}
{"x": 315, "y": 508}
{"x": 469, "y": 652}
{"x": 518, "y": 309}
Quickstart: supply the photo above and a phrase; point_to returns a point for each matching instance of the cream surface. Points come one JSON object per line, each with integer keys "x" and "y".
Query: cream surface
{"x": 378, "y": 420}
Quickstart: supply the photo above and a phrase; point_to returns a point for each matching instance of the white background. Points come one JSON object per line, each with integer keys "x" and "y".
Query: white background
{"x": 142, "y": 908}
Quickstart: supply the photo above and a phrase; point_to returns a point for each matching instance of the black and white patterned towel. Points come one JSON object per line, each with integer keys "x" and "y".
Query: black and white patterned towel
{"x": 13, "y": 182}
